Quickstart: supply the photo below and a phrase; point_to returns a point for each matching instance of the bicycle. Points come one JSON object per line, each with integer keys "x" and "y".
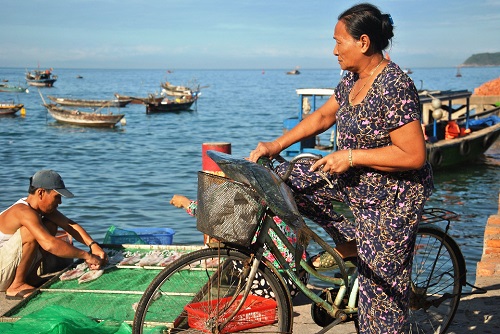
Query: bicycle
{"x": 217, "y": 290}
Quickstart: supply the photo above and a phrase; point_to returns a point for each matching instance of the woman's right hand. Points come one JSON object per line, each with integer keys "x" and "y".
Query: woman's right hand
{"x": 265, "y": 149}
{"x": 180, "y": 201}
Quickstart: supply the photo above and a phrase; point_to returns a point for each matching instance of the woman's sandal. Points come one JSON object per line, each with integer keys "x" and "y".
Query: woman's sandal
{"x": 326, "y": 261}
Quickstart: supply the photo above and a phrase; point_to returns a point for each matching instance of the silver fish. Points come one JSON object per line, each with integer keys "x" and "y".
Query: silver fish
{"x": 72, "y": 274}
{"x": 90, "y": 276}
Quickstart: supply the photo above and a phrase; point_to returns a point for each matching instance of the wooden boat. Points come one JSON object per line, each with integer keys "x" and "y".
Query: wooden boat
{"x": 167, "y": 105}
{"x": 179, "y": 91}
{"x": 41, "y": 78}
{"x": 151, "y": 98}
{"x": 7, "y": 108}
{"x": 478, "y": 130}
{"x": 69, "y": 102}
{"x": 12, "y": 89}
{"x": 78, "y": 117}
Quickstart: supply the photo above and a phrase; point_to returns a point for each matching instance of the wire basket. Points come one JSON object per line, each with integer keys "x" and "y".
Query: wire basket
{"x": 227, "y": 210}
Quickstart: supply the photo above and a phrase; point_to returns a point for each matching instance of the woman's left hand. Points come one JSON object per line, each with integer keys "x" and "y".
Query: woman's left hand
{"x": 334, "y": 163}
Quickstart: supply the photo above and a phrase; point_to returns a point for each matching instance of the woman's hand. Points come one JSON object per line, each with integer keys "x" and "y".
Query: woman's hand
{"x": 265, "y": 149}
{"x": 180, "y": 201}
{"x": 334, "y": 163}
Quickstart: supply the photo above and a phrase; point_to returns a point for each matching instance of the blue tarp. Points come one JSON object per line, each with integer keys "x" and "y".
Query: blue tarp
{"x": 484, "y": 122}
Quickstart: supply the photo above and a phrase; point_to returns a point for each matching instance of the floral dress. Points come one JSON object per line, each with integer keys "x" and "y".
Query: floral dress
{"x": 387, "y": 206}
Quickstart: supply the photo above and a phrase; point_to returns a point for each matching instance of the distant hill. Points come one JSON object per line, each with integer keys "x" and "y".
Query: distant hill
{"x": 483, "y": 59}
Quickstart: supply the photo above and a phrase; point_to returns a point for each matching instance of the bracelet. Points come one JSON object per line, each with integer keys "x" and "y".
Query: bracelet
{"x": 350, "y": 158}
{"x": 92, "y": 243}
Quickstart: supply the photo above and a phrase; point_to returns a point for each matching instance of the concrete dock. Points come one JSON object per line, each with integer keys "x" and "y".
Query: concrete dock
{"x": 477, "y": 313}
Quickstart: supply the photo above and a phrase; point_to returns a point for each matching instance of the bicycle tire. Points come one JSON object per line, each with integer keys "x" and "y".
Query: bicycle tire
{"x": 202, "y": 279}
{"x": 437, "y": 275}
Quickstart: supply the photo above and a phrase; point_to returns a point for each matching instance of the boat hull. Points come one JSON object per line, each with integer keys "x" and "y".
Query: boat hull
{"x": 446, "y": 153}
{"x": 41, "y": 83}
{"x": 140, "y": 100}
{"x": 9, "y": 109}
{"x": 77, "y": 117}
{"x": 168, "y": 107}
{"x": 12, "y": 89}
{"x": 118, "y": 103}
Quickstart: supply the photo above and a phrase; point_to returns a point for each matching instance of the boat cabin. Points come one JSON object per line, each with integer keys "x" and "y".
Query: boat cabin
{"x": 454, "y": 131}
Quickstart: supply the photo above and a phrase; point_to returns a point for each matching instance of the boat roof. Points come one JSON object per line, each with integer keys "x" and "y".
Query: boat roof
{"x": 316, "y": 91}
{"x": 427, "y": 96}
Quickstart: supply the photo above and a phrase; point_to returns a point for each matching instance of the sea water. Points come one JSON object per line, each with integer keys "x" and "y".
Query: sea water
{"x": 125, "y": 176}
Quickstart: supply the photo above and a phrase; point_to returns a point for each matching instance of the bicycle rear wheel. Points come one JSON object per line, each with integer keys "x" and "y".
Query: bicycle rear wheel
{"x": 436, "y": 281}
{"x": 196, "y": 293}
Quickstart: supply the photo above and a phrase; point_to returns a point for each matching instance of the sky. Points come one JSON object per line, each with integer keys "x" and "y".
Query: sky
{"x": 232, "y": 34}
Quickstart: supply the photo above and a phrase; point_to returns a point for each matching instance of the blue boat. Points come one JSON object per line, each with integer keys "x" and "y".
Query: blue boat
{"x": 477, "y": 131}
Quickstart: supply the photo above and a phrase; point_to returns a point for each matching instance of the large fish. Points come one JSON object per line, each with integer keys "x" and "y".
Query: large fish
{"x": 166, "y": 261}
{"x": 151, "y": 259}
{"x": 90, "y": 276}
{"x": 130, "y": 259}
{"x": 75, "y": 273}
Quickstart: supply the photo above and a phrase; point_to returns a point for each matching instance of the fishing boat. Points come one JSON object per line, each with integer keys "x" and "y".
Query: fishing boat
{"x": 294, "y": 72}
{"x": 151, "y": 98}
{"x": 476, "y": 131}
{"x": 70, "y": 102}
{"x": 6, "y": 88}
{"x": 84, "y": 118}
{"x": 168, "y": 105}
{"x": 41, "y": 78}
{"x": 179, "y": 91}
{"x": 7, "y": 108}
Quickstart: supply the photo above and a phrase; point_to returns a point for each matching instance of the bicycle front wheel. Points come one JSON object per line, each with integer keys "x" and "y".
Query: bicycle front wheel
{"x": 436, "y": 281}
{"x": 199, "y": 292}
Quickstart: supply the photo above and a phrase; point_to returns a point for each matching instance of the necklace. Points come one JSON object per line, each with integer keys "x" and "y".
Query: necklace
{"x": 367, "y": 80}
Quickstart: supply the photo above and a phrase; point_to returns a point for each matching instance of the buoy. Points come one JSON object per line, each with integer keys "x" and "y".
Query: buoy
{"x": 23, "y": 112}
{"x": 123, "y": 121}
{"x": 207, "y": 164}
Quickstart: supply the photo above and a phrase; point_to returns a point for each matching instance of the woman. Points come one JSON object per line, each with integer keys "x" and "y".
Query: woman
{"x": 380, "y": 169}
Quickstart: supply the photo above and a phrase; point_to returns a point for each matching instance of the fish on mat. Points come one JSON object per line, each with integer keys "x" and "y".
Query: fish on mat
{"x": 75, "y": 273}
{"x": 90, "y": 276}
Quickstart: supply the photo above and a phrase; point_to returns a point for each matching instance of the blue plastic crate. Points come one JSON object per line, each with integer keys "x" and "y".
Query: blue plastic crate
{"x": 139, "y": 236}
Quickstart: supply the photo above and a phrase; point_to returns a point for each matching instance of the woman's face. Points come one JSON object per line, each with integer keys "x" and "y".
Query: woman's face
{"x": 347, "y": 49}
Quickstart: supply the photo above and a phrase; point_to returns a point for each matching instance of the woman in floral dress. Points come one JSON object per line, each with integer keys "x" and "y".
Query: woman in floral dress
{"x": 379, "y": 170}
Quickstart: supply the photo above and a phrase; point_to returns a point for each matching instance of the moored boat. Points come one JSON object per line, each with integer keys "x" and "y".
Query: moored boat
{"x": 293, "y": 72}
{"x": 167, "y": 105}
{"x": 151, "y": 98}
{"x": 476, "y": 131}
{"x": 6, "y": 88}
{"x": 83, "y": 118}
{"x": 41, "y": 78}
{"x": 179, "y": 91}
{"x": 7, "y": 108}
{"x": 70, "y": 102}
